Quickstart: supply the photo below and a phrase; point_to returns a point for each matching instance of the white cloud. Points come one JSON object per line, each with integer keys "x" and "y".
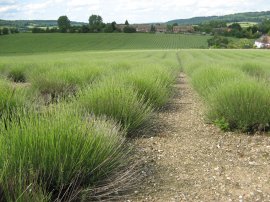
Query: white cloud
{"x": 120, "y": 10}
{"x": 7, "y": 1}
{"x": 7, "y": 8}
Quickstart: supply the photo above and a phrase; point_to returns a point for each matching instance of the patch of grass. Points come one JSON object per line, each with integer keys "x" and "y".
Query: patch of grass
{"x": 118, "y": 101}
{"x": 254, "y": 70}
{"x": 17, "y": 75}
{"x": 63, "y": 81}
{"x": 57, "y": 154}
{"x": 153, "y": 84}
{"x": 243, "y": 105}
{"x": 10, "y": 97}
{"x": 207, "y": 79}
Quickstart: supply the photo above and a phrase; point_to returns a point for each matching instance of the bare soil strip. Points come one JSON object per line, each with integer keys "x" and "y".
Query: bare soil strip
{"x": 188, "y": 160}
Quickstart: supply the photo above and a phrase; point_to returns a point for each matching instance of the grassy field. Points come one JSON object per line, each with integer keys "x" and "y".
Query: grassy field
{"x": 234, "y": 85}
{"x": 68, "y": 110}
{"x": 65, "y": 118}
{"x": 36, "y": 43}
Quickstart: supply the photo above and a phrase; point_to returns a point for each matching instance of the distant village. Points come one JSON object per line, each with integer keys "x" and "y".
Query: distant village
{"x": 159, "y": 28}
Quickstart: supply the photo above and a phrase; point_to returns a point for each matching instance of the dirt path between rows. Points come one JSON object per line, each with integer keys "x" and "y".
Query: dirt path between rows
{"x": 188, "y": 160}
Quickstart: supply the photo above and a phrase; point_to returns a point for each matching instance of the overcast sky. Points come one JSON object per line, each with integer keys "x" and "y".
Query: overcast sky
{"x": 136, "y": 11}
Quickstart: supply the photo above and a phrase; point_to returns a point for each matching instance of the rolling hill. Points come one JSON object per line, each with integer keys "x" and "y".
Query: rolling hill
{"x": 238, "y": 17}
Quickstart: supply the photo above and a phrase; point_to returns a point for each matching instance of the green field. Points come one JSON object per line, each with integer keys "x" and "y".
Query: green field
{"x": 36, "y": 43}
{"x": 68, "y": 111}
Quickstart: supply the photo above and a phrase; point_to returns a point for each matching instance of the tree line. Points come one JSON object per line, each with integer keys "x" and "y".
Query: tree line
{"x": 234, "y": 30}
{"x": 6, "y": 31}
{"x": 95, "y": 25}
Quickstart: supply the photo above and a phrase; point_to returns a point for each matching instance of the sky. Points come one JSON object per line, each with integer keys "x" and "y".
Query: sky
{"x": 135, "y": 11}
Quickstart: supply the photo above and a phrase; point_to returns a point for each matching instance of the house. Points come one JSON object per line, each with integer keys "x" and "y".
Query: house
{"x": 263, "y": 42}
{"x": 121, "y": 26}
{"x": 161, "y": 28}
{"x": 183, "y": 29}
{"x": 142, "y": 27}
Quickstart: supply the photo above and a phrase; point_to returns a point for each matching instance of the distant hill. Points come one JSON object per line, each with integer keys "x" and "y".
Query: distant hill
{"x": 37, "y": 23}
{"x": 238, "y": 17}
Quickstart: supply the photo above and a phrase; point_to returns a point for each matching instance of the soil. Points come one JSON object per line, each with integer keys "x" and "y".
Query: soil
{"x": 186, "y": 159}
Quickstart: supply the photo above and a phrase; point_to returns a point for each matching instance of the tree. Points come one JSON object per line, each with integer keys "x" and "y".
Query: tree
{"x": 108, "y": 28}
{"x": 153, "y": 29}
{"x": 169, "y": 28}
{"x": 63, "y": 23}
{"x": 218, "y": 42}
{"x": 5, "y": 31}
{"x": 126, "y": 22}
{"x": 129, "y": 29}
{"x": 264, "y": 27}
{"x": 95, "y": 23}
{"x": 84, "y": 29}
{"x": 114, "y": 25}
{"x": 0, "y": 31}
{"x": 236, "y": 26}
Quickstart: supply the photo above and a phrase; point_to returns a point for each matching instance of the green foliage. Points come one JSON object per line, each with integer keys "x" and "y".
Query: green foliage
{"x": 10, "y": 97}
{"x": 63, "y": 23}
{"x": 61, "y": 81}
{"x": 154, "y": 85}
{"x": 108, "y": 28}
{"x": 58, "y": 154}
{"x": 222, "y": 124}
{"x": 237, "y": 17}
{"x": 236, "y": 91}
{"x": 129, "y": 29}
{"x": 5, "y": 31}
{"x": 126, "y": 23}
{"x": 206, "y": 79}
{"x": 153, "y": 29}
{"x": 96, "y": 23}
{"x": 264, "y": 27}
{"x": 243, "y": 104}
{"x": 241, "y": 44}
{"x": 66, "y": 149}
{"x": 169, "y": 28}
{"x": 218, "y": 42}
{"x": 118, "y": 101}
{"x": 254, "y": 70}
{"x": 84, "y": 29}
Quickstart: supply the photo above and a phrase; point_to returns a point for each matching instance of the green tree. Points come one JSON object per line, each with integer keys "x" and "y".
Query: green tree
{"x": 126, "y": 22}
{"x": 84, "y": 29}
{"x": 153, "y": 29}
{"x": 114, "y": 25}
{"x": 5, "y": 31}
{"x": 264, "y": 27}
{"x": 218, "y": 42}
{"x": 236, "y": 26}
{"x": 129, "y": 29}
{"x": 63, "y": 23}
{"x": 95, "y": 23}
{"x": 108, "y": 28}
{"x": 0, "y": 31}
{"x": 169, "y": 28}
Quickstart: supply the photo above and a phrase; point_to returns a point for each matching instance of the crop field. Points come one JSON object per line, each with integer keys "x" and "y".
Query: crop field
{"x": 36, "y": 43}
{"x": 234, "y": 85}
{"x": 65, "y": 118}
{"x": 68, "y": 111}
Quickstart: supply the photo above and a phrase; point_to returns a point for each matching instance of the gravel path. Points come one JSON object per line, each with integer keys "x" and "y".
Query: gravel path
{"x": 188, "y": 160}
